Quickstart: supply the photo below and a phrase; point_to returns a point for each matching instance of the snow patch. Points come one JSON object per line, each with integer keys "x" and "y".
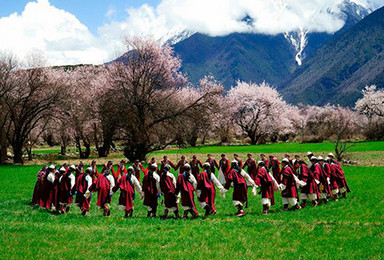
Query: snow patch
{"x": 299, "y": 41}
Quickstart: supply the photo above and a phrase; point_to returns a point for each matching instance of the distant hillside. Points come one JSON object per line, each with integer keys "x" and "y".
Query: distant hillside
{"x": 338, "y": 71}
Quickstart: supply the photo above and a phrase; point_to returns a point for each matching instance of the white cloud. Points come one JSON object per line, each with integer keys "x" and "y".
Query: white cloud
{"x": 59, "y": 34}
{"x": 65, "y": 40}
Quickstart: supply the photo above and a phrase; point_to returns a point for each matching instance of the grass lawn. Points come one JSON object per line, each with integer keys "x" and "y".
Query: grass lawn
{"x": 348, "y": 229}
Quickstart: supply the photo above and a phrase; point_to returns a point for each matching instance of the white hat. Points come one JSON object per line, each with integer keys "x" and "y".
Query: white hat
{"x": 331, "y": 154}
{"x": 207, "y": 164}
{"x": 89, "y": 169}
{"x": 309, "y": 153}
{"x": 260, "y": 162}
{"x": 285, "y": 160}
{"x": 187, "y": 166}
{"x": 130, "y": 168}
{"x": 154, "y": 165}
{"x": 52, "y": 167}
{"x": 72, "y": 167}
{"x": 235, "y": 161}
{"x": 320, "y": 158}
{"x": 313, "y": 158}
{"x": 62, "y": 169}
{"x": 327, "y": 158}
{"x": 294, "y": 161}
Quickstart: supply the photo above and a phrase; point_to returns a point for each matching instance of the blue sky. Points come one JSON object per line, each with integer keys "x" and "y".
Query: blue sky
{"x": 90, "y": 12}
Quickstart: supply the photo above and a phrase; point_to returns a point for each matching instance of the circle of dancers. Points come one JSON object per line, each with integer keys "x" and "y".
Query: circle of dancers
{"x": 319, "y": 180}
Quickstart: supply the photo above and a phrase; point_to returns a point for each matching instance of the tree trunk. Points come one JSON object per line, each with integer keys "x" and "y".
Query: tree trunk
{"x": 17, "y": 154}
{"x": 87, "y": 152}
{"x": 3, "y": 147}
{"x": 63, "y": 149}
{"x": 29, "y": 152}
{"x": 103, "y": 150}
{"x": 78, "y": 145}
{"x": 136, "y": 151}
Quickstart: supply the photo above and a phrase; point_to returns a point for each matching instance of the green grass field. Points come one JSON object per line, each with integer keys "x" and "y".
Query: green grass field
{"x": 351, "y": 228}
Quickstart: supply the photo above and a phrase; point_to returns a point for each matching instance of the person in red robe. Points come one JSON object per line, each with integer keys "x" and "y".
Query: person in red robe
{"x": 324, "y": 178}
{"x": 152, "y": 161}
{"x": 289, "y": 192}
{"x": 332, "y": 157}
{"x": 239, "y": 160}
{"x": 137, "y": 166}
{"x": 267, "y": 185}
{"x": 308, "y": 191}
{"x": 239, "y": 178}
{"x": 180, "y": 165}
{"x": 195, "y": 166}
{"x": 164, "y": 162}
{"x": 224, "y": 168}
{"x": 265, "y": 160}
{"x": 104, "y": 185}
{"x": 127, "y": 184}
{"x": 43, "y": 188}
{"x": 212, "y": 162}
{"x": 274, "y": 166}
{"x": 37, "y": 189}
{"x": 66, "y": 184}
{"x": 206, "y": 190}
{"x": 79, "y": 169}
{"x": 186, "y": 185}
{"x": 82, "y": 189}
{"x": 340, "y": 178}
{"x": 121, "y": 170}
{"x": 168, "y": 188}
{"x": 151, "y": 189}
{"x": 50, "y": 188}
{"x": 250, "y": 163}
{"x": 94, "y": 173}
{"x": 332, "y": 179}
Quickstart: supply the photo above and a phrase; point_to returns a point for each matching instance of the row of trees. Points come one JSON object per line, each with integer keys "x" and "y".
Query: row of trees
{"x": 146, "y": 103}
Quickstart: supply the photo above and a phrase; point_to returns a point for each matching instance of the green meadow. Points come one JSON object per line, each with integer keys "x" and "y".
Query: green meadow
{"x": 352, "y": 228}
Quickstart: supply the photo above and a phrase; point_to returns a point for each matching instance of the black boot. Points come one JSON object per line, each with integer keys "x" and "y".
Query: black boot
{"x": 344, "y": 195}
{"x": 207, "y": 210}
{"x": 185, "y": 214}
{"x": 149, "y": 214}
{"x": 304, "y": 203}
{"x": 126, "y": 214}
{"x": 265, "y": 209}
{"x": 285, "y": 207}
{"x": 177, "y": 214}
{"x": 130, "y": 213}
{"x": 165, "y": 214}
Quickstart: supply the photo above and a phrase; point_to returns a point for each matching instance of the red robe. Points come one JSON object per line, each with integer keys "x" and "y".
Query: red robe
{"x": 180, "y": 166}
{"x": 119, "y": 173}
{"x": 323, "y": 180}
{"x": 137, "y": 168}
{"x": 251, "y": 168}
{"x": 150, "y": 191}
{"x": 264, "y": 180}
{"x": 36, "y": 190}
{"x": 239, "y": 185}
{"x": 81, "y": 187}
{"x": 331, "y": 176}
{"x": 169, "y": 191}
{"x": 127, "y": 192}
{"x": 195, "y": 163}
{"x": 275, "y": 166}
{"x": 103, "y": 186}
{"x": 225, "y": 166}
{"x": 186, "y": 189}
{"x": 340, "y": 177}
{"x": 213, "y": 163}
{"x": 289, "y": 181}
{"x": 207, "y": 187}
{"x": 306, "y": 175}
{"x": 65, "y": 189}
{"x": 44, "y": 189}
{"x": 240, "y": 162}
{"x": 163, "y": 163}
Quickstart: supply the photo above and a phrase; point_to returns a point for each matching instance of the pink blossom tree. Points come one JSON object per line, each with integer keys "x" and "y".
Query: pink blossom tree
{"x": 371, "y": 105}
{"x": 259, "y": 110}
{"x": 147, "y": 83}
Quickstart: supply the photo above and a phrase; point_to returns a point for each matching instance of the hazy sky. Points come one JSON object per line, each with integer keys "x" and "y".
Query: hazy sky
{"x": 91, "y": 31}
